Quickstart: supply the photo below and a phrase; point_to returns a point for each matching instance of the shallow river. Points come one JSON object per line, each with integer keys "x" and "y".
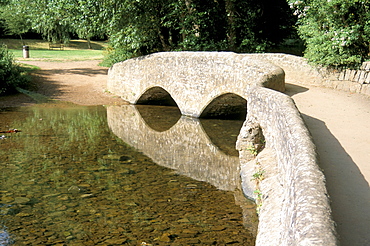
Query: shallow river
{"x": 120, "y": 176}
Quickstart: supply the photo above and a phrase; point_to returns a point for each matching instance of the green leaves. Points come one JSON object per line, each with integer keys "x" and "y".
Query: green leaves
{"x": 142, "y": 27}
{"x": 136, "y": 27}
{"x": 336, "y": 32}
{"x": 10, "y": 73}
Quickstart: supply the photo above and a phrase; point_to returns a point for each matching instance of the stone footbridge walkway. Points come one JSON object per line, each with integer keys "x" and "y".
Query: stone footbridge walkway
{"x": 340, "y": 125}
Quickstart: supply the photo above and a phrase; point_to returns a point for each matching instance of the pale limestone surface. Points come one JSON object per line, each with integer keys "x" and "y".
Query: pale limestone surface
{"x": 295, "y": 207}
{"x": 355, "y": 81}
{"x": 193, "y": 79}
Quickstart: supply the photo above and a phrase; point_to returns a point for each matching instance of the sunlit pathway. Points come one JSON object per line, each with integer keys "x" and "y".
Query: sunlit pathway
{"x": 340, "y": 125}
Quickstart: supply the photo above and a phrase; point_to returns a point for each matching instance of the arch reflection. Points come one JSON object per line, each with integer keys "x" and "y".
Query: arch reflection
{"x": 186, "y": 148}
{"x": 159, "y": 118}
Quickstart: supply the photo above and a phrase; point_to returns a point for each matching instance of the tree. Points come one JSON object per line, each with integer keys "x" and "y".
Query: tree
{"x": 14, "y": 19}
{"x": 86, "y": 18}
{"x": 56, "y": 20}
{"x": 336, "y": 32}
{"x": 142, "y": 27}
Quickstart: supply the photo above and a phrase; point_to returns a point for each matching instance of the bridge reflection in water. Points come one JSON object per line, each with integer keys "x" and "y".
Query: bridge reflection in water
{"x": 199, "y": 149}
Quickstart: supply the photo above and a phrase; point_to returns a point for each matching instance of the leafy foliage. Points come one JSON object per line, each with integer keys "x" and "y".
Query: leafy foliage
{"x": 14, "y": 19}
{"x": 138, "y": 27}
{"x": 56, "y": 20}
{"x": 336, "y": 32}
{"x": 10, "y": 73}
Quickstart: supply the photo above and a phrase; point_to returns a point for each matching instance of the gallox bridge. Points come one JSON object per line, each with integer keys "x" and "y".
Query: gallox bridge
{"x": 294, "y": 208}
{"x": 201, "y": 84}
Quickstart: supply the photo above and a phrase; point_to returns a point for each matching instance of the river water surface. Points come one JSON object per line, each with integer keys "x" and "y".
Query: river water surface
{"x": 123, "y": 175}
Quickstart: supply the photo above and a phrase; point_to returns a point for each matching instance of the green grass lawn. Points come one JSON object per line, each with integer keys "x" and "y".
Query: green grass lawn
{"x": 58, "y": 55}
{"x": 75, "y": 50}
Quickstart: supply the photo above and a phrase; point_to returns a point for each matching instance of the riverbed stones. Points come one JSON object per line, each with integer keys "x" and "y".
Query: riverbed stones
{"x": 21, "y": 200}
{"x": 77, "y": 197}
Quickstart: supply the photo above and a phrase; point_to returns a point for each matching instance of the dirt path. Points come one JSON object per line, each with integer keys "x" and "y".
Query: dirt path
{"x": 340, "y": 125}
{"x": 80, "y": 82}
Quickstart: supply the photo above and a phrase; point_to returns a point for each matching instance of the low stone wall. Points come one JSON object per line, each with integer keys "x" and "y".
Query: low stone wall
{"x": 279, "y": 169}
{"x": 297, "y": 69}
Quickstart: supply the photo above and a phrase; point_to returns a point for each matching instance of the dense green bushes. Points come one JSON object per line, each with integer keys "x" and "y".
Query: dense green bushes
{"x": 336, "y": 32}
{"x": 143, "y": 27}
{"x": 11, "y": 74}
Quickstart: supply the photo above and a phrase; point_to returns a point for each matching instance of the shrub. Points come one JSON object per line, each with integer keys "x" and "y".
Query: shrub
{"x": 336, "y": 32}
{"x": 11, "y": 74}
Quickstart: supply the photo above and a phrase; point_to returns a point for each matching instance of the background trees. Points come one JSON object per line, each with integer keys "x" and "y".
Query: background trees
{"x": 335, "y": 32}
{"x": 13, "y": 19}
{"x": 56, "y": 20}
{"x": 138, "y": 28}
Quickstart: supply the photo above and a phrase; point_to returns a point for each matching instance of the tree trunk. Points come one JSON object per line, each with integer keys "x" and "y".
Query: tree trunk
{"x": 88, "y": 43}
{"x": 231, "y": 32}
{"x": 188, "y": 12}
{"x": 23, "y": 43}
{"x": 165, "y": 46}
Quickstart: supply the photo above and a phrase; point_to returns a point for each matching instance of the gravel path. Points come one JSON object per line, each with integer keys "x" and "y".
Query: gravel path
{"x": 80, "y": 82}
{"x": 340, "y": 125}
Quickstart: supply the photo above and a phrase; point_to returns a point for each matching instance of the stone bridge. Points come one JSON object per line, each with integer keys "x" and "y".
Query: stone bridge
{"x": 293, "y": 205}
{"x": 201, "y": 84}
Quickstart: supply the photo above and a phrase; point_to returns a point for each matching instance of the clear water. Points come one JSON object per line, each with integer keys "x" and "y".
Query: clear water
{"x": 105, "y": 176}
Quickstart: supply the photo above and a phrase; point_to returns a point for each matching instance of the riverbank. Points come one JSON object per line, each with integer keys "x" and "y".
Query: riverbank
{"x": 79, "y": 82}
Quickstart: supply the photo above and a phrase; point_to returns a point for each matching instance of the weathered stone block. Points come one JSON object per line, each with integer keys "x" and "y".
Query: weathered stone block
{"x": 357, "y": 76}
{"x": 362, "y": 77}
{"x": 342, "y": 75}
{"x": 352, "y": 74}
{"x": 365, "y": 66}
{"x": 367, "y": 80}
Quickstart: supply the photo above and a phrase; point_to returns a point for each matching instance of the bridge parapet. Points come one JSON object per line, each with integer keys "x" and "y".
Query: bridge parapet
{"x": 279, "y": 170}
{"x": 283, "y": 177}
{"x": 192, "y": 79}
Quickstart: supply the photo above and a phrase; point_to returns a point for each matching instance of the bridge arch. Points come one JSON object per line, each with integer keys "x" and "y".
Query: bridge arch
{"x": 227, "y": 105}
{"x": 192, "y": 79}
{"x": 156, "y": 96}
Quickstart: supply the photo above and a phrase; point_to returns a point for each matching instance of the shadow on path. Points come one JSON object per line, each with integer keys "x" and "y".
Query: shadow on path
{"x": 347, "y": 187}
{"x": 76, "y": 71}
{"x": 294, "y": 89}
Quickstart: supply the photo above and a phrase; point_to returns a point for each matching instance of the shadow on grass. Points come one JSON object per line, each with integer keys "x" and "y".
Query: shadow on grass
{"x": 37, "y": 44}
{"x": 348, "y": 189}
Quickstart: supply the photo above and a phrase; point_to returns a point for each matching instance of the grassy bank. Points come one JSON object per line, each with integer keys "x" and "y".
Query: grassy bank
{"x": 75, "y": 50}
